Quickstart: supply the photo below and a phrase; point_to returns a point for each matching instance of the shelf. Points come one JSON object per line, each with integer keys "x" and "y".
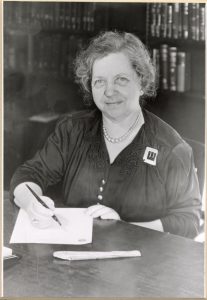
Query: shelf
{"x": 184, "y": 95}
{"x": 22, "y": 29}
{"x": 153, "y": 42}
{"x": 63, "y": 31}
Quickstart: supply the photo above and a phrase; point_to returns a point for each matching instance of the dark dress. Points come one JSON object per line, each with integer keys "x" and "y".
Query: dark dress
{"x": 76, "y": 154}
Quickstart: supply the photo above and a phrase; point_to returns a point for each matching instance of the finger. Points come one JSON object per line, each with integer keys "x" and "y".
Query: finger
{"x": 39, "y": 209}
{"x": 101, "y": 211}
{"x": 111, "y": 215}
{"x": 91, "y": 209}
{"x": 48, "y": 201}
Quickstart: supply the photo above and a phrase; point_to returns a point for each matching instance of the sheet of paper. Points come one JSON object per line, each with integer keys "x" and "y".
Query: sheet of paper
{"x": 7, "y": 252}
{"x": 76, "y": 228}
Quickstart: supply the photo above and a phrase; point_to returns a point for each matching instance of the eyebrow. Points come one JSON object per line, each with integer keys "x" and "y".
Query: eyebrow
{"x": 119, "y": 74}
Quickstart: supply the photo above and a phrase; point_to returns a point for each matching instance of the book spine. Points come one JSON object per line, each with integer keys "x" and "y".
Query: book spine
{"x": 70, "y": 56}
{"x": 38, "y": 13}
{"x": 40, "y": 56}
{"x": 33, "y": 12}
{"x": 175, "y": 23}
{"x": 30, "y": 53}
{"x": 85, "y": 19}
{"x": 158, "y": 20}
{"x": 26, "y": 13}
{"x": 7, "y": 14}
{"x": 202, "y": 23}
{"x": 56, "y": 11}
{"x": 12, "y": 61}
{"x": 185, "y": 20}
{"x": 197, "y": 22}
{"x": 172, "y": 68}
{"x": 163, "y": 26}
{"x": 73, "y": 15}
{"x": 19, "y": 13}
{"x": 61, "y": 15}
{"x": 63, "y": 58}
{"x": 36, "y": 54}
{"x": 47, "y": 54}
{"x": 169, "y": 20}
{"x": 164, "y": 66}
{"x": 153, "y": 19}
{"x": 78, "y": 16}
{"x": 193, "y": 21}
{"x": 68, "y": 16}
{"x": 183, "y": 72}
{"x": 43, "y": 15}
{"x": 50, "y": 15}
{"x": 180, "y": 21}
{"x": 54, "y": 55}
{"x": 156, "y": 63}
{"x": 91, "y": 10}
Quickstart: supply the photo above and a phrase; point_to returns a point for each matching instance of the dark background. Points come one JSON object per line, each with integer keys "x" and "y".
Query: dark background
{"x": 28, "y": 92}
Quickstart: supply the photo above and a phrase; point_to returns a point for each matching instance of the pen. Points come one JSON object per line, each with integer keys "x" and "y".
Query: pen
{"x": 43, "y": 203}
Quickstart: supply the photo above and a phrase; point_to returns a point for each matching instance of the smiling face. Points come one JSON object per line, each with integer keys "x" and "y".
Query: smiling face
{"x": 115, "y": 86}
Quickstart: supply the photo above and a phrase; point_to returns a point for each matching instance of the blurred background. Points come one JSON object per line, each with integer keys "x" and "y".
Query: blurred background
{"x": 41, "y": 40}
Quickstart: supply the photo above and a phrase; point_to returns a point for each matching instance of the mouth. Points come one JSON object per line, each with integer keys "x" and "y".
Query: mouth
{"x": 113, "y": 103}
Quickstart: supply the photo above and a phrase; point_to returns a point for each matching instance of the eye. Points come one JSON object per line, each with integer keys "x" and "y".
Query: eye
{"x": 121, "y": 80}
{"x": 98, "y": 83}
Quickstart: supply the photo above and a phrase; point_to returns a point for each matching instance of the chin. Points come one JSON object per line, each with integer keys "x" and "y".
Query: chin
{"x": 114, "y": 115}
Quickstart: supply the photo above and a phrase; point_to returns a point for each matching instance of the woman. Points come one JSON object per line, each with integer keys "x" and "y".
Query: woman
{"x": 118, "y": 160}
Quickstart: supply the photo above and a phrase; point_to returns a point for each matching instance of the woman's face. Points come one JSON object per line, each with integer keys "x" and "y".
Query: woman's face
{"x": 115, "y": 86}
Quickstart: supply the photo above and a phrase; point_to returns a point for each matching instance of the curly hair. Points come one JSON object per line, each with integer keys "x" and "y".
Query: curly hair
{"x": 113, "y": 42}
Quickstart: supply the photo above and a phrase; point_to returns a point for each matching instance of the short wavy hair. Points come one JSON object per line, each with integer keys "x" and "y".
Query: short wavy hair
{"x": 113, "y": 42}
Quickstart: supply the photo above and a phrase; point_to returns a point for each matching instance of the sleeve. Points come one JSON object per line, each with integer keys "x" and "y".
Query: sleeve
{"x": 48, "y": 165}
{"x": 182, "y": 193}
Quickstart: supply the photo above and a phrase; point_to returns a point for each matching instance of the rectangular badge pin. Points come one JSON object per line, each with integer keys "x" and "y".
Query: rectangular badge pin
{"x": 150, "y": 156}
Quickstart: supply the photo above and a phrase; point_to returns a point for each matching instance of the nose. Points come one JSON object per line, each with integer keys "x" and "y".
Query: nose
{"x": 109, "y": 90}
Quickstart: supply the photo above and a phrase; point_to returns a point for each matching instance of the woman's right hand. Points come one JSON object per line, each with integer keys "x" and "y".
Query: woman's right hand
{"x": 40, "y": 216}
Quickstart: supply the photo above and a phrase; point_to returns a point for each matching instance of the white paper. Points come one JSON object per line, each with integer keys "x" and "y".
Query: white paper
{"x": 7, "y": 252}
{"x": 85, "y": 255}
{"x": 76, "y": 228}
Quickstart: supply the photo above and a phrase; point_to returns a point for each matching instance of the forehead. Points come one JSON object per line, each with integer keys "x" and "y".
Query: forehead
{"x": 112, "y": 64}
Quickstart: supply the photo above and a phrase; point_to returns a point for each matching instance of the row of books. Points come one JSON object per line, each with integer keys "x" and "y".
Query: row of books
{"x": 49, "y": 54}
{"x": 51, "y": 15}
{"x": 55, "y": 54}
{"x": 173, "y": 68}
{"x": 178, "y": 20}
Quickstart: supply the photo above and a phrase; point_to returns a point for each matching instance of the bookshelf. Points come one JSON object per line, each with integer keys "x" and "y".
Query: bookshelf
{"x": 175, "y": 35}
{"x": 41, "y": 40}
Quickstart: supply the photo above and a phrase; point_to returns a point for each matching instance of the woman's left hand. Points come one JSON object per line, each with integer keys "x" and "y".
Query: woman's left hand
{"x": 103, "y": 212}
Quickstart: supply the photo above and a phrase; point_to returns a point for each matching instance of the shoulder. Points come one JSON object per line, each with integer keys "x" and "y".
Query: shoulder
{"x": 82, "y": 119}
{"x": 169, "y": 142}
{"x": 160, "y": 132}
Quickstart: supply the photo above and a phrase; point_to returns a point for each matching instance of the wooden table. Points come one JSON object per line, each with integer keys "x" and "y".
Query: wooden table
{"x": 170, "y": 266}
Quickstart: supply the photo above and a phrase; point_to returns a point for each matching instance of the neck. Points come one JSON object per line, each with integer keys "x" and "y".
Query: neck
{"x": 125, "y": 127}
{"x": 122, "y": 123}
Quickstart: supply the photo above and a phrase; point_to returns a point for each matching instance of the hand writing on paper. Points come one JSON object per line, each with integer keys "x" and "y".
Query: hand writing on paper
{"x": 40, "y": 216}
{"x": 103, "y": 212}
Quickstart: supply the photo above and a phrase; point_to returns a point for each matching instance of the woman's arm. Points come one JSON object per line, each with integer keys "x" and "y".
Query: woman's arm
{"x": 155, "y": 225}
{"x": 182, "y": 195}
{"x": 183, "y": 199}
{"x": 46, "y": 167}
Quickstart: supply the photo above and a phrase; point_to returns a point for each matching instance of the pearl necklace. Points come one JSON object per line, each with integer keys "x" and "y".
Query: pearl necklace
{"x": 124, "y": 136}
